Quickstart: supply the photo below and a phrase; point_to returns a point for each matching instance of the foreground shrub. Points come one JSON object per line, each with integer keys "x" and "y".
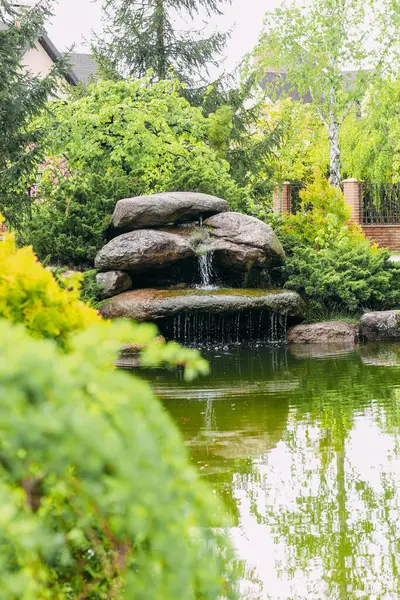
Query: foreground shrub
{"x": 330, "y": 263}
{"x": 123, "y": 139}
{"x": 30, "y": 294}
{"x": 98, "y": 497}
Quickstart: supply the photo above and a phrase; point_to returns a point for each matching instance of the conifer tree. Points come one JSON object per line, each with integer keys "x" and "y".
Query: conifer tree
{"x": 22, "y": 97}
{"x": 143, "y": 35}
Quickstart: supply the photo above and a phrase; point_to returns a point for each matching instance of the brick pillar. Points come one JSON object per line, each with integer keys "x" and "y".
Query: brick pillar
{"x": 352, "y": 190}
{"x": 282, "y": 204}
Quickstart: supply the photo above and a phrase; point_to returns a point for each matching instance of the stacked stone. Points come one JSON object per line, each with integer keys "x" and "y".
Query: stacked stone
{"x": 151, "y": 233}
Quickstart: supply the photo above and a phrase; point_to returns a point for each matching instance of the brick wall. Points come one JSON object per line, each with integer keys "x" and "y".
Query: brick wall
{"x": 387, "y": 236}
{"x": 282, "y": 201}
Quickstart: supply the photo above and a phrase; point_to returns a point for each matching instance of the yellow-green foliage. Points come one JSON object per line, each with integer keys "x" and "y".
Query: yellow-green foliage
{"x": 330, "y": 262}
{"x": 323, "y": 216}
{"x": 29, "y": 294}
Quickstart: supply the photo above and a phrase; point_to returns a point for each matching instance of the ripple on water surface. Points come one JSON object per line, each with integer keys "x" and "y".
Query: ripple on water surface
{"x": 304, "y": 449}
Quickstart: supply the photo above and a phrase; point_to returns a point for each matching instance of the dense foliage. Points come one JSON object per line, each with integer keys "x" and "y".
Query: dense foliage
{"x": 30, "y": 294}
{"x": 22, "y": 96}
{"x": 370, "y": 140}
{"x": 98, "y": 497}
{"x": 315, "y": 42}
{"x": 330, "y": 263}
{"x": 145, "y": 36}
{"x": 123, "y": 139}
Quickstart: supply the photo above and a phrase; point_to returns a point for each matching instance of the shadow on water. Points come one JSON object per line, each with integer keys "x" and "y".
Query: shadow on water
{"x": 303, "y": 446}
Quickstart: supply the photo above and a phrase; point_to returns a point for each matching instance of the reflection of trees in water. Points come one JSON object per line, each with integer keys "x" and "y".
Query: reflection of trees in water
{"x": 338, "y": 524}
{"x": 337, "y": 527}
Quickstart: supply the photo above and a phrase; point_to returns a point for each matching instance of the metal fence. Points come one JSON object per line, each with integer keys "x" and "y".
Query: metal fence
{"x": 381, "y": 204}
{"x": 295, "y": 189}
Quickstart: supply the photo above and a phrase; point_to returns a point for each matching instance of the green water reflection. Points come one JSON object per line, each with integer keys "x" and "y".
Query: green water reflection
{"x": 304, "y": 449}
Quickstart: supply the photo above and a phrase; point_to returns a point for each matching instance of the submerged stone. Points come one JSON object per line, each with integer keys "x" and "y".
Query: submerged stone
{"x": 155, "y": 304}
{"x": 141, "y": 250}
{"x": 157, "y": 210}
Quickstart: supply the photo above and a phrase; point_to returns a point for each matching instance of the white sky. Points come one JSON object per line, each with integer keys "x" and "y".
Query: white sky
{"x": 75, "y": 19}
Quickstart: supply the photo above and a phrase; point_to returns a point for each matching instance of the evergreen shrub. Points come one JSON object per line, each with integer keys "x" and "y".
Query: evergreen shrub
{"x": 330, "y": 262}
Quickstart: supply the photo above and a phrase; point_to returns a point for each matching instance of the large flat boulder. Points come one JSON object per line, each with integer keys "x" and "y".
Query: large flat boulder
{"x": 141, "y": 250}
{"x": 154, "y": 304}
{"x": 243, "y": 242}
{"x": 167, "y": 208}
{"x": 380, "y": 326}
{"x": 335, "y": 332}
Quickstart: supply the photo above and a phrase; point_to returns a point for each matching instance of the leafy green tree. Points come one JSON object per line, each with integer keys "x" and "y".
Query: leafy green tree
{"x": 123, "y": 139}
{"x": 299, "y": 146}
{"x": 314, "y": 44}
{"x": 99, "y": 499}
{"x": 22, "y": 96}
{"x": 143, "y": 35}
{"x": 370, "y": 142}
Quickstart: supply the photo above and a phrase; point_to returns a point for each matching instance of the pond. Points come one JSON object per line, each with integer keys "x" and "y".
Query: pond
{"x": 304, "y": 448}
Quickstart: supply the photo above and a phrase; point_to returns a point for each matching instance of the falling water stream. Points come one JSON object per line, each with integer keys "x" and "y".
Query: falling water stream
{"x": 206, "y": 271}
{"x": 209, "y": 330}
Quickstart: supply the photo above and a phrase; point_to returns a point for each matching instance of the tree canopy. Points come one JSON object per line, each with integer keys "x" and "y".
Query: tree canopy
{"x": 22, "y": 97}
{"x": 146, "y": 35}
{"x": 328, "y": 52}
{"x": 122, "y": 139}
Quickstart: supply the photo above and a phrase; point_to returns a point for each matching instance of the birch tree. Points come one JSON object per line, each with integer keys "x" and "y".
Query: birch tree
{"x": 328, "y": 52}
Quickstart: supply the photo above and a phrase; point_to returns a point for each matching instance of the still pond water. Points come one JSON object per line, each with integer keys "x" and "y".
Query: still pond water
{"x": 304, "y": 448}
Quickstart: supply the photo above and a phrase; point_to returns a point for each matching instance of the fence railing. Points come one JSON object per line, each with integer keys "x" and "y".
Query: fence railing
{"x": 295, "y": 200}
{"x": 380, "y": 204}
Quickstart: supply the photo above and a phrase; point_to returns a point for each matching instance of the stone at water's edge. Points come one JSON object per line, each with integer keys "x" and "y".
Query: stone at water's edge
{"x": 242, "y": 242}
{"x": 140, "y": 250}
{"x": 157, "y": 210}
{"x": 154, "y": 304}
{"x": 380, "y": 326}
{"x": 334, "y": 332}
{"x": 113, "y": 283}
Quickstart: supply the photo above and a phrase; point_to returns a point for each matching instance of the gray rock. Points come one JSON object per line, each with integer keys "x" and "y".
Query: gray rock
{"x": 334, "y": 332}
{"x": 243, "y": 242}
{"x": 154, "y": 304}
{"x": 157, "y": 210}
{"x": 141, "y": 250}
{"x": 377, "y": 326}
{"x": 113, "y": 283}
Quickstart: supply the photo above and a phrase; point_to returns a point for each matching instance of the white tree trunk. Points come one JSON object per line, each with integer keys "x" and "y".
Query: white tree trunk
{"x": 334, "y": 154}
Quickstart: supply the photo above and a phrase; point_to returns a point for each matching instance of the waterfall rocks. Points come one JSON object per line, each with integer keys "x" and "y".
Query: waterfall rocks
{"x": 113, "y": 283}
{"x": 143, "y": 249}
{"x": 174, "y": 258}
{"x": 155, "y": 304}
{"x": 240, "y": 239}
{"x": 168, "y": 208}
{"x": 380, "y": 326}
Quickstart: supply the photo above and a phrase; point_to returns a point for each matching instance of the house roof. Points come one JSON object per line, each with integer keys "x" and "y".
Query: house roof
{"x": 55, "y": 54}
{"x": 276, "y": 80}
{"x": 84, "y": 66}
